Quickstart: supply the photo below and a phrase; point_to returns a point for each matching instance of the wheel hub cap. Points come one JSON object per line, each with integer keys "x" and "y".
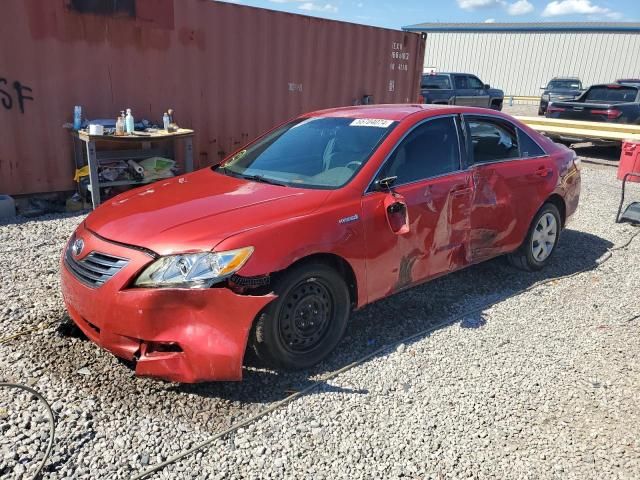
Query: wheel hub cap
{"x": 305, "y": 317}
{"x": 544, "y": 237}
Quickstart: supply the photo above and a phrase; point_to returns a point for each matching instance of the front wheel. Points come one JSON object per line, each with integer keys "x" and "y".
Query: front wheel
{"x": 541, "y": 241}
{"x": 307, "y": 320}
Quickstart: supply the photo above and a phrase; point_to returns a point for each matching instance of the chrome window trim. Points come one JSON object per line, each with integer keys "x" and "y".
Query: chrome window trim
{"x": 515, "y": 127}
{"x": 461, "y": 163}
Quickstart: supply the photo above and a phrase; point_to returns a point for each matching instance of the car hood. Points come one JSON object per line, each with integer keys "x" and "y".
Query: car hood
{"x": 195, "y": 212}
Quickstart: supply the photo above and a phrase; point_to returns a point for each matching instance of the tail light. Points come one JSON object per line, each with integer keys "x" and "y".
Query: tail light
{"x": 421, "y": 98}
{"x": 552, "y": 109}
{"x": 610, "y": 113}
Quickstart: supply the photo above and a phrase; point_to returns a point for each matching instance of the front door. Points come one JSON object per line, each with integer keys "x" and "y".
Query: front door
{"x": 481, "y": 94}
{"x": 437, "y": 194}
{"x": 512, "y": 177}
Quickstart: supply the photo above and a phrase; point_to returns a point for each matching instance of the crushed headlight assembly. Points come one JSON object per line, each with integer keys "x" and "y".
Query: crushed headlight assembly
{"x": 193, "y": 270}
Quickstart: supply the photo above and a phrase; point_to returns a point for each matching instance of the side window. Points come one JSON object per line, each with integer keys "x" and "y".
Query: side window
{"x": 460, "y": 81}
{"x": 430, "y": 150}
{"x": 529, "y": 148}
{"x": 474, "y": 83}
{"x": 491, "y": 140}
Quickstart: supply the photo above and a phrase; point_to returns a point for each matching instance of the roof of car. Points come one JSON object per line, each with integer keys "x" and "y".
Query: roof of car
{"x": 448, "y": 73}
{"x": 395, "y": 112}
{"x": 616, "y": 85}
{"x": 565, "y": 78}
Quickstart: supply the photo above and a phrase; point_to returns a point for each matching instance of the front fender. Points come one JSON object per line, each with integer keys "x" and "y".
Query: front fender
{"x": 336, "y": 231}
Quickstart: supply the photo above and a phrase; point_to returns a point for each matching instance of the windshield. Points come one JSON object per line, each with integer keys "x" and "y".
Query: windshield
{"x": 612, "y": 94}
{"x": 564, "y": 85}
{"x": 436, "y": 81}
{"x": 318, "y": 152}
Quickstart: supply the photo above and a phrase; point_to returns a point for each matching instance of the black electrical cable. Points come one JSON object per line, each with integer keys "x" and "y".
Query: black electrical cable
{"x": 52, "y": 422}
{"x": 383, "y": 349}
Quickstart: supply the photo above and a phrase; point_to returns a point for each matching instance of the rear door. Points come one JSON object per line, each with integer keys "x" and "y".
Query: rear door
{"x": 512, "y": 177}
{"x": 437, "y": 193}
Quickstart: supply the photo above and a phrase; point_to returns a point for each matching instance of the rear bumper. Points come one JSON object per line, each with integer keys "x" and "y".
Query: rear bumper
{"x": 178, "y": 335}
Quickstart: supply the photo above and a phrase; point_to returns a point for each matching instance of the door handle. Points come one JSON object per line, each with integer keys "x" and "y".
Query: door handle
{"x": 543, "y": 171}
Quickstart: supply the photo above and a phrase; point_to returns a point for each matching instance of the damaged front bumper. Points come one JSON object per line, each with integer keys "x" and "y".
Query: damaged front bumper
{"x": 180, "y": 335}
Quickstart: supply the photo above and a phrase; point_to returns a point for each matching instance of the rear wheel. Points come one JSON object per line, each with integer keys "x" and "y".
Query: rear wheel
{"x": 541, "y": 241}
{"x": 307, "y": 320}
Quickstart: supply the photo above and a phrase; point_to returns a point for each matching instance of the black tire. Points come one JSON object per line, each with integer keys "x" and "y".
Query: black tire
{"x": 307, "y": 320}
{"x": 525, "y": 257}
{"x": 496, "y": 105}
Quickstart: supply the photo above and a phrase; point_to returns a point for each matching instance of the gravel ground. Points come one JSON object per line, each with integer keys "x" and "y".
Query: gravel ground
{"x": 541, "y": 385}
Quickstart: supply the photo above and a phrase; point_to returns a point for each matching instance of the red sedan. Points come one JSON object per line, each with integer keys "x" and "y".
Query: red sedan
{"x": 274, "y": 247}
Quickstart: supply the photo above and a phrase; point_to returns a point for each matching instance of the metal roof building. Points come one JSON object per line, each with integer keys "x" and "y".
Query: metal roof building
{"x": 521, "y": 57}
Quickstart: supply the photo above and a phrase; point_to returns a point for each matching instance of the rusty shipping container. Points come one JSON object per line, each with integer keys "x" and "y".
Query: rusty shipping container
{"x": 229, "y": 71}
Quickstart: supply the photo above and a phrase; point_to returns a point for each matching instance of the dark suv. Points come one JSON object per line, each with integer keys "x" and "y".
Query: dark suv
{"x": 459, "y": 89}
{"x": 559, "y": 89}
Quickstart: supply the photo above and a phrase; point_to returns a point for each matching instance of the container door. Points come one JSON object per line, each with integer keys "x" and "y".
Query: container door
{"x": 436, "y": 194}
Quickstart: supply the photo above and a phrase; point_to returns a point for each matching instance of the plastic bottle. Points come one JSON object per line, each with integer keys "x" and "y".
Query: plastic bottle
{"x": 77, "y": 117}
{"x": 166, "y": 121}
{"x": 128, "y": 122}
{"x": 120, "y": 126}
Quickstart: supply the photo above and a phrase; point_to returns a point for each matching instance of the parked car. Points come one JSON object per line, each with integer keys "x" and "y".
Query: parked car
{"x": 559, "y": 89}
{"x": 459, "y": 89}
{"x": 273, "y": 248}
{"x": 613, "y": 103}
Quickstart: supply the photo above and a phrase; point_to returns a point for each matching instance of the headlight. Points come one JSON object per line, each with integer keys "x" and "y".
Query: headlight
{"x": 193, "y": 270}
{"x": 545, "y": 98}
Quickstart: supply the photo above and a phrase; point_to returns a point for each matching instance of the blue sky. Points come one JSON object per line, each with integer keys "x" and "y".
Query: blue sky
{"x": 399, "y": 13}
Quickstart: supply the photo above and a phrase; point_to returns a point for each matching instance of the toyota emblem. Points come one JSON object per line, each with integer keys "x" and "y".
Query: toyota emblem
{"x": 77, "y": 247}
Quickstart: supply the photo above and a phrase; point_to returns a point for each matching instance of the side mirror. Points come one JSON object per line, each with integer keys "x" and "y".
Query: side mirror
{"x": 397, "y": 213}
{"x": 487, "y": 86}
{"x": 385, "y": 184}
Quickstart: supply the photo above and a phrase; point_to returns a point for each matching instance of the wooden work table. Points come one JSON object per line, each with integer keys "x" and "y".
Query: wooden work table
{"x": 141, "y": 145}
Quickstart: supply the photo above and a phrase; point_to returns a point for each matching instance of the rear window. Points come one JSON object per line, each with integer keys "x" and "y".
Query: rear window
{"x": 610, "y": 94}
{"x": 436, "y": 81}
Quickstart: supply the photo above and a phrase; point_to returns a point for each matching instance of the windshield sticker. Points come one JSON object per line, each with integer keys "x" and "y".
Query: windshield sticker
{"x": 371, "y": 122}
